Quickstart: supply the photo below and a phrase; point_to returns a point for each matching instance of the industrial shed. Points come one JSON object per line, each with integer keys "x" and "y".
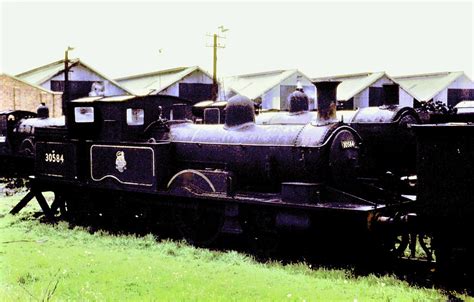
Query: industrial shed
{"x": 191, "y": 83}
{"x": 270, "y": 89}
{"x": 83, "y": 79}
{"x": 361, "y": 90}
{"x": 447, "y": 87}
{"x": 16, "y": 94}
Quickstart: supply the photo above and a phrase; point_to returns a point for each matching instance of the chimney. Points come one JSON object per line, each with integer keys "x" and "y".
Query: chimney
{"x": 391, "y": 94}
{"x": 326, "y": 102}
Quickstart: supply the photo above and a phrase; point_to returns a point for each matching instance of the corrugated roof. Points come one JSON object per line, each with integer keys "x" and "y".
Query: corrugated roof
{"x": 424, "y": 87}
{"x": 155, "y": 82}
{"x": 44, "y": 73}
{"x": 256, "y": 84}
{"x": 352, "y": 84}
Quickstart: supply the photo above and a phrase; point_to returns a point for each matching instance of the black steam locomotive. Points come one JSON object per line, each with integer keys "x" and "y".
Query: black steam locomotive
{"x": 121, "y": 157}
{"x": 236, "y": 177}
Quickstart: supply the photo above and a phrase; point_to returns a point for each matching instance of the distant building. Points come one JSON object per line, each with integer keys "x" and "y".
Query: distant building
{"x": 192, "y": 83}
{"x": 270, "y": 89}
{"x": 448, "y": 87}
{"x": 361, "y": 90}
{"x": 17, "y": 94}
{"x": 83, "y": 80}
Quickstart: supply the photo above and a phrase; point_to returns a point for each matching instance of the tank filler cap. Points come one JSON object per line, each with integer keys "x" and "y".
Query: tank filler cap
{"x": 298, "y": 102}
{"x": 42, "y": 111}
{"x": 239, "y": 112}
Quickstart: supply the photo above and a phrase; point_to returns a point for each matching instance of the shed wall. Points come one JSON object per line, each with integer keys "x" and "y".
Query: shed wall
{"x": 15, "y": 94}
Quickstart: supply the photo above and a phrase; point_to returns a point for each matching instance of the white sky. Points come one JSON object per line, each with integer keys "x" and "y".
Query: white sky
{"x": 318, "y": 38}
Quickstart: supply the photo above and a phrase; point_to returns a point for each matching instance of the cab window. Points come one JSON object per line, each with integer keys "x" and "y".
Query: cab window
{"x": 84, "y": 114}
{"x": 135, "y": 117}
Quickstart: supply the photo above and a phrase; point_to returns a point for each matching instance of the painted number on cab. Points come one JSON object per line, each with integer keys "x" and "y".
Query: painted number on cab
{"x": 54, "y": 157}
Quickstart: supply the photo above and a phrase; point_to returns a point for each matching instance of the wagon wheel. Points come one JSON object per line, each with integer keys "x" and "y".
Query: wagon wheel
{"x": 200, "y": 224}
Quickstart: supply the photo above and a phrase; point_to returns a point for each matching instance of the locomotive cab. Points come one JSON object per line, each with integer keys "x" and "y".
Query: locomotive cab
{"x": 122, "y": 118}
{"x": 107, "y": 142}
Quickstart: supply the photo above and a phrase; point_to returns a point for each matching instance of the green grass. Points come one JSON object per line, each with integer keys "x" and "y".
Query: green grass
{"x": 45, "y": 262}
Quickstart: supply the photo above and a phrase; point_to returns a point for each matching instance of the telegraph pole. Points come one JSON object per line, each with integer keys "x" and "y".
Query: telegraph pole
{"x": 66, "y": 78}
{"x": 215, "y": 46}
{"x": 214, "y": 71}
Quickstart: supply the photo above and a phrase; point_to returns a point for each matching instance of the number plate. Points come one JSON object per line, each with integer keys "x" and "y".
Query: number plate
{"x": 56, "y": 159}
{"x": 348, "y": 144}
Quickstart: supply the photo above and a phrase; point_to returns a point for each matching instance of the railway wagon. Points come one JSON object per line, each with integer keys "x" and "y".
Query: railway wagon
{"x": 445, "y": 204}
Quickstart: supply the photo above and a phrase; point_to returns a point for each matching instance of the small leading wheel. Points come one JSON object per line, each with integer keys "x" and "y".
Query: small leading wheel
{"x": 73, "y": 210}
{"x": 260, "y": 231}
{"x": 426, "y": 244}
{"x": 397, "y": 244}
{"x": 200, "y": 224}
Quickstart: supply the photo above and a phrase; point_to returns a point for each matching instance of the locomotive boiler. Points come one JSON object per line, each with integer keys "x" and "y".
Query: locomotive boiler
{"x": 262, "y": 157}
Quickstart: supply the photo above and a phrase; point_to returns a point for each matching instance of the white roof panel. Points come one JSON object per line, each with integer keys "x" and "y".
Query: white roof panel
{"x": 353, "y": 84}
{"x": 424, "y": 87}
{"x": 254, "y": 85}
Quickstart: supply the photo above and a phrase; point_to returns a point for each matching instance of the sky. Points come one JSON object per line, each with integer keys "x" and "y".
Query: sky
{"x": 318, "y": 38}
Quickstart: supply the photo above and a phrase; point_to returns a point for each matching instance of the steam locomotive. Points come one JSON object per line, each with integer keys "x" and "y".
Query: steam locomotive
{"x": 237, "y": 177}
{"x": 121, "y": 157}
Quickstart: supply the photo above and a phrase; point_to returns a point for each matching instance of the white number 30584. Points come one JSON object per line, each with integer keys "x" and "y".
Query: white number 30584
{"x": 54, "y": 158}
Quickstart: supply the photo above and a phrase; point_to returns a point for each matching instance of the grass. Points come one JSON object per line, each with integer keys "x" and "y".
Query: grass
{"x": 56, "y": 262}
